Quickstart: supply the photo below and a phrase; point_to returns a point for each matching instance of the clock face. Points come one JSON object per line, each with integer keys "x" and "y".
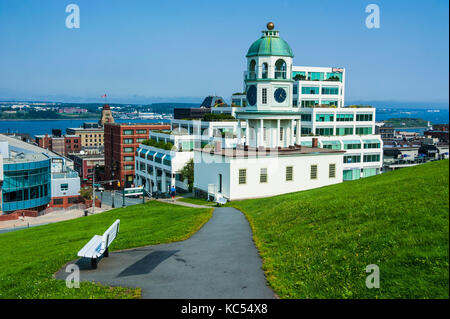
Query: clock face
{"x": 280, "y": 95}
{"x": 251, "y": 95}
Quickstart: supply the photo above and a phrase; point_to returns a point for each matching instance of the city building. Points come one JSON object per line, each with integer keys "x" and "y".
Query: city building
{"x": 63, "y": 145}
{"x": 386, "y": 132}
{"x": 271, "y": 161}
{"x": 158, "y": 166}
{"x": 33, "y": 177}
{"x": 85, "y": 164}
{"x": 91, "y": 134}
{"x": 121, "y": 142}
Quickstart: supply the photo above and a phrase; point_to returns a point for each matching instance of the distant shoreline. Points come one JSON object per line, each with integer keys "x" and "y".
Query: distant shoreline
{"x": 11, "y": 120}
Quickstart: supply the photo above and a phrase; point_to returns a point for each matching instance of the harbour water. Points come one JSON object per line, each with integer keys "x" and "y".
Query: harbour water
{"x": 40, "y": 127}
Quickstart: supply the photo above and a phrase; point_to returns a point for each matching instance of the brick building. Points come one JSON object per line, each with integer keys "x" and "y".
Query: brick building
{"x": 121, "y": 141}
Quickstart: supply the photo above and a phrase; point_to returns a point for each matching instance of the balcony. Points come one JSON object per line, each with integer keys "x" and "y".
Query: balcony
{"x": 280, "y": 75}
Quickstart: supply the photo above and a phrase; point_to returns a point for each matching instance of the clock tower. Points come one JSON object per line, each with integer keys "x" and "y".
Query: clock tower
{"x": 270, "y": 118}
{"x": 268, "y": 79}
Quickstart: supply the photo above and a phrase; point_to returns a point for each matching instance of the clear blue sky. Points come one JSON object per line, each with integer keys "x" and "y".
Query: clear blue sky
{"x": 194, "y": 48}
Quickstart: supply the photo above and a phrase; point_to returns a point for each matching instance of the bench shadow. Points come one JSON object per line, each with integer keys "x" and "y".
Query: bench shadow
{"x": 146, "y": 264}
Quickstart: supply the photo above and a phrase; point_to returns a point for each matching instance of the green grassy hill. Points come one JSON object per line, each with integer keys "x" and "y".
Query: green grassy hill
{"x": 30, "y": 257}
{"x": 317, "y": 243}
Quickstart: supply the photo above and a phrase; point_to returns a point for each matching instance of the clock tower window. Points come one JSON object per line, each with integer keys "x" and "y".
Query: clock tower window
{"x": 264, "y": 96}
{"x": 252, "y": 73}
{"x": 265, "y": 70}
{"x": 280, "y": 69}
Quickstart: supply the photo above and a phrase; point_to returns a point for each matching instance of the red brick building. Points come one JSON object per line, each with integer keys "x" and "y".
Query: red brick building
{"x": 121, "y": 141}
{"x": 62, "y": 145}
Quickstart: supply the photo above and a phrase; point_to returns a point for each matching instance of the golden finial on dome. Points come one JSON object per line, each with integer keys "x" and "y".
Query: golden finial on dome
{"x": 270, "y": 26}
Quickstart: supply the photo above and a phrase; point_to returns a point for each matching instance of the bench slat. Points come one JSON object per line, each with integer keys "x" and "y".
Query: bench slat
{"x": 91, "y": 249}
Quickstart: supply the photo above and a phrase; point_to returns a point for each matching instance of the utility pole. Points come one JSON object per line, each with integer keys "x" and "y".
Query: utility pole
{"x": 93, "y": 192}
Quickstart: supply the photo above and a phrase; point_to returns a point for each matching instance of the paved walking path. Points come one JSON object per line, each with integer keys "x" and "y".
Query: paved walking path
{"x": 177, "y": 202}
{"x": 219, "y": 261}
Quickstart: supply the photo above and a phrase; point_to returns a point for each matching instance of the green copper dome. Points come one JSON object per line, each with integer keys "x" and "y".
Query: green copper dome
{"x": 270, "y": 44}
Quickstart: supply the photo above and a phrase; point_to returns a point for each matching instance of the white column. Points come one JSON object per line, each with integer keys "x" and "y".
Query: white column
{"x": 291, "y": 137}
{"x": 239, "y": 131}
{"x": 261, "y": 133}
{"x": 297, "y": 137}
{"x": 277, "y": 142}
{"x": 247, "y": 133}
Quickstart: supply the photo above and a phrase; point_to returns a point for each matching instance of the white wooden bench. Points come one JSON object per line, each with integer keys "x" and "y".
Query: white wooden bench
{"x": 221, "y": 200}
{"x": 98, "y": 245}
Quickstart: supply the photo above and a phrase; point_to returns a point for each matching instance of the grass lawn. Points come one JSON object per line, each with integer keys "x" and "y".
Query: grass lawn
{"x": 196, "y": 201}
{"x": 317, "y": 243}
{"x": 31, "y": 256}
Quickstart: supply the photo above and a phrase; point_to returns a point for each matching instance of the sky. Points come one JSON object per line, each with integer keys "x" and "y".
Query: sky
{"x": 145, "y": 49}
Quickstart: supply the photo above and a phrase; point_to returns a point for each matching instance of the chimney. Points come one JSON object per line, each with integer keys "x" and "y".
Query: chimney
{"x": 315, "y": 142}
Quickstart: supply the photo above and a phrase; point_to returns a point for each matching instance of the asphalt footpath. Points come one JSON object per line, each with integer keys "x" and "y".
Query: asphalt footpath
{"x": 219, "y": 261}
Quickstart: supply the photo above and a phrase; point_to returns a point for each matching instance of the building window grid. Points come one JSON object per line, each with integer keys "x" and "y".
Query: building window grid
{"x": 242, "y": 176}
{"x": 332, "y": 171}
{"x": 264, "y": 96}
{"x": 263, "y": 175}
{"x": 313, "y": 172}
{"x": 289, "y": 173}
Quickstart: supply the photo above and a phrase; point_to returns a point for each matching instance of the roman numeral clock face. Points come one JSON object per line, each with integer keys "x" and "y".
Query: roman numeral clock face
{"x": 251, "y": 95}
{"x": 280, "y": 95}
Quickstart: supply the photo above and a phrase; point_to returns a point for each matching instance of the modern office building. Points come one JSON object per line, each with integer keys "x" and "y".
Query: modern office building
{"x": 121, "y": 142}
{"x": 158, "y": 168}
{"x": 35, "y": 178}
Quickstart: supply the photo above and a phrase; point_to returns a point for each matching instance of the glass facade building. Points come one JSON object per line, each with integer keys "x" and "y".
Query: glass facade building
{"x": 26, "y": 183}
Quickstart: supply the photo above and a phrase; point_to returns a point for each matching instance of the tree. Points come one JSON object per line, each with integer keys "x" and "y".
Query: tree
{"x": 86, "y": 193}
{"x": 187, "y": 172}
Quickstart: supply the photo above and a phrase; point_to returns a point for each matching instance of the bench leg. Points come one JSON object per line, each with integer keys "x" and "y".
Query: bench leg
{"x": 106, "y": 253}
{"x": 94, "y": 263}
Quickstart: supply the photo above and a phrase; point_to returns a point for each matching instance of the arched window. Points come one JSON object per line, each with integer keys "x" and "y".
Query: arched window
{"x": 252, "y": 73}
{"x": 280, "y": 69}
{"x": 265, "y": 70}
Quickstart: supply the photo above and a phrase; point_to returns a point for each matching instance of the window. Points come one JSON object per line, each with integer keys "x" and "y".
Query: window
{"x": 265, "y": 71}
{"x": 140, "y": 140}
{"x": 352, "y": 146}
{"x": 344, "y": 131}
{"x": 289, "y": 173}
{"x": 313, "y": 171}
{"x": 363, "y": 130}
{"x": 128, "y": 150}
{"x": 310, "y": 90}
{"x": 295, "y": 89}
{"x": 141, "y": 131}
{"x": 150, "y": 169}
{"x": 252, "y": 69}
{"x": 364, "y": 117}
{"x": 64, "y": 187}
{"x": 281, "y": 134}
{"x": 310, "y": 103}
{"x": 332, "y": 171}
{"x": 127, "y": 141}
{"x": 263, "y": 175}
{"x": 128, "y": 167}
{"x": 372, "y": 158}
{"x": 264, "y": 96}
{"x": 315, "y": 76}
{"x": 324, "y": 117}
{"x": 371, "y": 145}
{"x": 242, "y": 176}
{"x": 306, "y": 117}
{"x": 344, "y": 117}
{"x": 352, "y": 159}
{"x": 58, "y": 201}
{"x": 330, "y": 90}
{"x": 128, "y": 158}
{"x": 324, "y": 131}
{"x": 280, "y": 69}
{"x": 128, "y": 132}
